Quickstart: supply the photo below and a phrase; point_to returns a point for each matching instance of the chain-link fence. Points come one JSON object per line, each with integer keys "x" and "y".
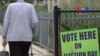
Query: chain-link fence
{"x": 72, "y": 21}
{"x": 45, "y": 30}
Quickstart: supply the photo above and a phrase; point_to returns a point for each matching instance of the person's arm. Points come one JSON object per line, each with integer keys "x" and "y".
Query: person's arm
{"x": 6, "y": 22}
{"x": 33, "y": 17}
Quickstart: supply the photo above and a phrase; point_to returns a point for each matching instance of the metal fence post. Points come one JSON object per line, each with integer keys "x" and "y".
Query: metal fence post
{"x": 56, "y": 29}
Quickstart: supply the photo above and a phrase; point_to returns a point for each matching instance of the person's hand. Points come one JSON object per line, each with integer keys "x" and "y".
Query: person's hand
{"x": 4, "y": 43}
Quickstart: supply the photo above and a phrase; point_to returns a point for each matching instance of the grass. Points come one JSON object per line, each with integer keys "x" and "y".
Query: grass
{"x": 84, "y": 3}
{"x": 40, "y": 8}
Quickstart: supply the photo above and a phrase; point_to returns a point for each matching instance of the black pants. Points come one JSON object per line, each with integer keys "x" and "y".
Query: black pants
{"x": 19, "y": 48}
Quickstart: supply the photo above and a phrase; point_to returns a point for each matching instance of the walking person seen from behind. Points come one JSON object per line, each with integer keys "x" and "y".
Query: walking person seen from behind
{"x": 20, "y": 18}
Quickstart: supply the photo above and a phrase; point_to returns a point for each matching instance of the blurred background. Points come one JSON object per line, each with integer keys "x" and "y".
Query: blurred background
{"x": 44, "y": 35}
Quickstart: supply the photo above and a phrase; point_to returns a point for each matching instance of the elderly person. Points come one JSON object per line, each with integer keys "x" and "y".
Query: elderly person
{"x": 20, "y": 19}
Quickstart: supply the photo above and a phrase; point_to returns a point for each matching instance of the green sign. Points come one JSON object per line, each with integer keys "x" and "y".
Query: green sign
{"x": 80, "y": 42}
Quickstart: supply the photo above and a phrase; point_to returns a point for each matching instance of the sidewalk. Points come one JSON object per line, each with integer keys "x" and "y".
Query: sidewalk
{"x": 37, "y": 51}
